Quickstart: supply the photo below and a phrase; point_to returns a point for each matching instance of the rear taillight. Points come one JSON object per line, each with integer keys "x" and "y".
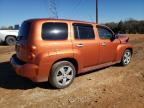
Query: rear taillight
{"x": 31, "y": 56}
{"x": 33, "y": 49}
{"x": 32, "y": 52}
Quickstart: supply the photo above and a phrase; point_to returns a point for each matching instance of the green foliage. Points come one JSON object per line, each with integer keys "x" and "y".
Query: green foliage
{"x": 129, "y": 26}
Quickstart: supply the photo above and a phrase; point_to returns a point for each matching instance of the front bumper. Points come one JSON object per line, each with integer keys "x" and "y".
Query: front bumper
{"x": 27, "y": 70}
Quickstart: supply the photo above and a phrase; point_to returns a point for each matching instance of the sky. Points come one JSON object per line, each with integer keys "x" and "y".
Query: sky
{"x": 16, "y": 11}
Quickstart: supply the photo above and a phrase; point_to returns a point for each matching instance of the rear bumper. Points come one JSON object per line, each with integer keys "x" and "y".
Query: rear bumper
{"x": 27, "y": 70}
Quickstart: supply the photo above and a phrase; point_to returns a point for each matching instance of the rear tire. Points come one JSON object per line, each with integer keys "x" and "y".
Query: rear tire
{"x": 126, "y": 59}
{"x": 10, "y": 40}
{"x": 62, "y": 74}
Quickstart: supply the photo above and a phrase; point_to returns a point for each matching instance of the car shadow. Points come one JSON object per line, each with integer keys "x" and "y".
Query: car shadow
{"x": 9, "y": 79}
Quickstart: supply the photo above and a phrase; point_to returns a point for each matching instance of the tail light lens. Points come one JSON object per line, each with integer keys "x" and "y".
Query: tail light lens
{"x": 33, "y": 49}
{"x": 31, "y": 56}
{"x": 32, "y": 52}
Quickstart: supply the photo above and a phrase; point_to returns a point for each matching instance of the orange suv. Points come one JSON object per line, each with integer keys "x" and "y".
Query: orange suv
{"x": 57, "y": 50}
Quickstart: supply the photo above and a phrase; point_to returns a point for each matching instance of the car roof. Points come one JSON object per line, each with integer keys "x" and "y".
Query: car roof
{"x": 48, "y": 19}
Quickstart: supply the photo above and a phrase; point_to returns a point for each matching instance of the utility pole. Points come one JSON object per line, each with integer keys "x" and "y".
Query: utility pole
{"x": 97, "y": 12}
{"x": 52, "y": 9}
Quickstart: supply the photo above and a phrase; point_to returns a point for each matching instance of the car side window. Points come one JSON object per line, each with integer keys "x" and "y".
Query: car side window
{"x": 54, "y": 31}
{"x": 104, "y": 33}
{"x": 83, "y": 31}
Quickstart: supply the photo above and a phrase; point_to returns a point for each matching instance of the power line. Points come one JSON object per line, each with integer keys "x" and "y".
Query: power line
{"x": 79, "y": 3}
{"x": 76, "y": 6}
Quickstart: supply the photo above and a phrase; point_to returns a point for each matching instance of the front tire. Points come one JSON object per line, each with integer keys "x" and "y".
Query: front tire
{"x": 62, "y": 74}
{"x": 126, "y": 59}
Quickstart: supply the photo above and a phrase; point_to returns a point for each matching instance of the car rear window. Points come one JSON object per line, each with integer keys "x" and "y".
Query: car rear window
{"x": 54, "y": 31}
{"x": 24, "y": 30}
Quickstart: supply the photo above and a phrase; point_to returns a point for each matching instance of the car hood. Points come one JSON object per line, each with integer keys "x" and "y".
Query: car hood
{"x": 123, "y": 38}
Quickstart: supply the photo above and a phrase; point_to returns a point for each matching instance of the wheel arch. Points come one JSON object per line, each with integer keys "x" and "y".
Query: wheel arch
{"x": 131, "y": 49}
{"x": 121, "y": 49}
{"x": 71, "y": 60}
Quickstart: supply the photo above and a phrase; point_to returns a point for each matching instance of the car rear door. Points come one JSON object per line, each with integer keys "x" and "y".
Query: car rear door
{"x": 108, "y": 47}
{"x": 85, "y": 46}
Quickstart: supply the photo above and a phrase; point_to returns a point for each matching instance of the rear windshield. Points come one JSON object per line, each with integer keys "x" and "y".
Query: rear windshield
{"x": 24, "y": 30}
{"x": 54, "y": 31}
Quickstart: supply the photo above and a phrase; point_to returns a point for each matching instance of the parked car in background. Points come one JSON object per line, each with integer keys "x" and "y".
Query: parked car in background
{"x": 8, "y": 36}
{"x": 57, "y": 50}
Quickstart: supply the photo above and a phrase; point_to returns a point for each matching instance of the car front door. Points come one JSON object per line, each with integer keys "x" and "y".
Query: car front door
{"x": 108, "y": 45}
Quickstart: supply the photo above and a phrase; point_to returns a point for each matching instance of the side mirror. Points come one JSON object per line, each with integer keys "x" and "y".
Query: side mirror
{"x": 116, "y": 36}
{"x": 113, "y": 37}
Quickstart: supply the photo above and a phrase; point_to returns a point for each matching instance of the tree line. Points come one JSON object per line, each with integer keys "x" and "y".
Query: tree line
{"x": 130, "y": 26}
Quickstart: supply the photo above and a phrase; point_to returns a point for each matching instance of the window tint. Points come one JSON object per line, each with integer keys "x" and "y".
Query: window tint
{"x": 83, "y": 31}
{"x": 24, "y": 30}
{"x": 104, "y": 33}
{"x": 54, "y": 31}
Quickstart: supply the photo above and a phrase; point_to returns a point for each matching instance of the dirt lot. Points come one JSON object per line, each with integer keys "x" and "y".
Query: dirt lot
{"x": 112, "y": 87}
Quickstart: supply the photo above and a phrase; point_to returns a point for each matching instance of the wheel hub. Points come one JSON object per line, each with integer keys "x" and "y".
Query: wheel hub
{"x": 65, "y": 75}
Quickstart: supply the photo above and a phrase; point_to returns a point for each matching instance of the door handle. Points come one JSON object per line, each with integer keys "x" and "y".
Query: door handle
{"x": 79, "y": 45}
{"x": 103, "y": 44}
